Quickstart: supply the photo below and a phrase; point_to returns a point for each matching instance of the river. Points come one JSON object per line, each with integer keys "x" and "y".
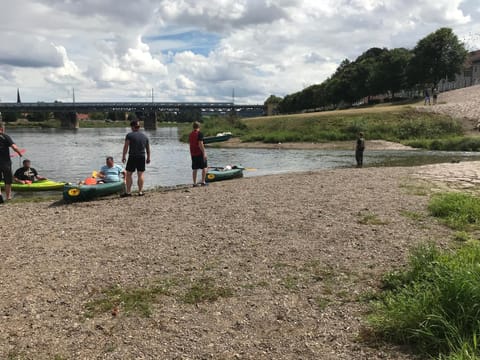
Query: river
{"x": 72, "y": 155}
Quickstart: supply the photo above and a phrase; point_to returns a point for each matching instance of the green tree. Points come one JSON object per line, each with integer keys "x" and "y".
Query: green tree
{"x": 437, "y": 56}
{"x": 272, "y": 99}
{"x": 9, "y": 116}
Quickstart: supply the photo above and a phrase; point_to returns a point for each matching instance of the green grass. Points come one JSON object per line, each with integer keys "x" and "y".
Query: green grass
{"x": 211, "y": 126}
{"x": 370, "y": 218}
{"x": 129, "y": 301}
{"x": 452, "y": 143}
{"x": 205, "y": 290}
{"x": 413, "y": 215}
{"x": 401, "y": 125}
{"x": 434, "y": 304}
{"x": 460, "y": 211}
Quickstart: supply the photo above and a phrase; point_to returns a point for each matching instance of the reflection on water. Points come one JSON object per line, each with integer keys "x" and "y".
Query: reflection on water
{"x": 71, "y": 155}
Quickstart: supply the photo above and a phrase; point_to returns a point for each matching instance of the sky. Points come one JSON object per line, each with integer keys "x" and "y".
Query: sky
{"x": 198, "y": 50}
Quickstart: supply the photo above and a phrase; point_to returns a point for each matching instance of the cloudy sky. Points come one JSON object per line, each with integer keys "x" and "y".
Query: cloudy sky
{"x": 199, "y": 50}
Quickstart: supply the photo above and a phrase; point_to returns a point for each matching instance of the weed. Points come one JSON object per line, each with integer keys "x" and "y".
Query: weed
{"x": 433, "y": 305}
{"x": 370, "y": 219}
{"x": 413, "y": 215}
{"x": 460, "y": 211}
{"x": 131, "y": 301}
{"x": 462, "y": 236}
{"x": 205, "y": 290}
{"x": 322, "y": 302}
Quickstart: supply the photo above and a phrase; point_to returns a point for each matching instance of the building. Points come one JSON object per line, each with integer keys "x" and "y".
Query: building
{"x": 469, "y": 77}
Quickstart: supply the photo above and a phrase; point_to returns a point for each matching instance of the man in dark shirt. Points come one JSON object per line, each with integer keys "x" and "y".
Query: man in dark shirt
{"x": 137, "y": 145}
{"x": 26, "y": 173}
{"x": 359, "y": 148}
{"x": 6, "y": 143}
{"x": 198, "y": 154}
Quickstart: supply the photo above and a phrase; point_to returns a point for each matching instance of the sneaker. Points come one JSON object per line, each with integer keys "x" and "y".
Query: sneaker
{"x": 196, "y": 185}
{"x": 204, "y": 184}
{"x": 141, "y": 193}
{"x": 125, "y": 195}
{"x": 1, "y": 199}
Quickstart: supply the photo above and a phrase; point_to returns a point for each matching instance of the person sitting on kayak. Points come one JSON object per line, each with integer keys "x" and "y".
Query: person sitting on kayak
{"x": 111, "y": 172}
{"x": 27, "y": 174}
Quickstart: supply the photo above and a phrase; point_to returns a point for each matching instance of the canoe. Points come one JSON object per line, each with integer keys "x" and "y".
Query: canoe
{"x": 218, "y": 138}
{"x": 74, "y": 193}
{"x": 226, "y": 173}
{"x": 40, "y": 185}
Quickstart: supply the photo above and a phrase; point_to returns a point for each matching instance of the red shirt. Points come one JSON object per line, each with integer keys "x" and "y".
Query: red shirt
{"x": 194, "y": 139}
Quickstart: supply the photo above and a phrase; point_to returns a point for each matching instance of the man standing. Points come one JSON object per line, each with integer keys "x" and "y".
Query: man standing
{"x": 6, "y": 143}
{"x": 137, "y": 144}
{"x": 359, "y": 148}
{"x": 198, "y": 154}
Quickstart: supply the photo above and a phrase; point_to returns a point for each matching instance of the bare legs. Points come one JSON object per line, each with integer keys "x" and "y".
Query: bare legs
{"x": 8, "y": 191}
{"x": 194, "y": 176}
{"x": 140, "y": 181}
{"x": 129, "y": 181}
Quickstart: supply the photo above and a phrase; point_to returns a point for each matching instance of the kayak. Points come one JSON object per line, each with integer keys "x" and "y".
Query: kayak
{"x": 224, "y": 173}
{"x": 219, "y": 137}
{"x": 40, "y": 185}
{"x": 83, "y": 192}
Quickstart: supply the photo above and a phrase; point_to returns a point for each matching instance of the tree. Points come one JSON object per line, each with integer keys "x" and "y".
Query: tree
{"x": 391, "y": 71}
{"x": 9, "y": 116}
{"x": 272, "y": 99}
{"x": 439, "y": 55}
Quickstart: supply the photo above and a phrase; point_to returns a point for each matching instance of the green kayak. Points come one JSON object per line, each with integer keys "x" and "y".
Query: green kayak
{"x": 224, "y": 173}
{"x": 40, "y": 185}
{"x": 74, "y": 193}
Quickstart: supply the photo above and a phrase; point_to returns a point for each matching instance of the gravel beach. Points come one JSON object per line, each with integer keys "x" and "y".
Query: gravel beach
{"x": 284, "y": 258}
{"x": 271, "y": 267}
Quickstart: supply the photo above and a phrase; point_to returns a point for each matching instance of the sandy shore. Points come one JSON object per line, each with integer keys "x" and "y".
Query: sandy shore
{"x": 332, "y": 145}
{"x": 295, "y": 252}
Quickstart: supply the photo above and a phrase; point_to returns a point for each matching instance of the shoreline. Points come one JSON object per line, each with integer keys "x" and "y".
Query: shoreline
{"x": 234, "y": 143}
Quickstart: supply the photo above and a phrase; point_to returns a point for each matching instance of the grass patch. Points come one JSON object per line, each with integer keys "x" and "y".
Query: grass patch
{"x": 205, "y": 290}
{"x": 400, "y": 125}
{"x": 416, "y": 189}
{"x": 452, "y": 143}
{"x": 462, "y": 236}
{"x": 211, "y": 126}
{"x": 434, "y": 304}
{"x": 322, "y": 302}
{"x": 130, "y": 301}
{"x": 460, "y": 211}
{"x": 413, "y": 215}
{"x": 370, "y": 218}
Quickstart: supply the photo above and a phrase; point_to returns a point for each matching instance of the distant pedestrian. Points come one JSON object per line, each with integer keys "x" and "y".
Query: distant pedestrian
{"x": 138, "y": 147}
{"x": 198, "y": 154}
{"x": 434, "y": 95}
{"x": 427, "y": 96}
{"x": 359, "y": 148}
{"x": 6, "y": 175}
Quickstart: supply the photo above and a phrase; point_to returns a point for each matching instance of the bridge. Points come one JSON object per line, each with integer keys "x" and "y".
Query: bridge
{"x": 69, "y": 111}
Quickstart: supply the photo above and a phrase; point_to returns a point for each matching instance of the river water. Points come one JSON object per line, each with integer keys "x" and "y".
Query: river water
{"x": 72, "y": 155}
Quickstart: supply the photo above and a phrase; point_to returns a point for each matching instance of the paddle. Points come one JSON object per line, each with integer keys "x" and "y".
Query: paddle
{"x": 22, "y": 151}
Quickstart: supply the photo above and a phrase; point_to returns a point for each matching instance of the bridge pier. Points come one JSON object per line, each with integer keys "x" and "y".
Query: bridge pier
{"x": 150, "y": 122}
{"x": 69, "y": 120}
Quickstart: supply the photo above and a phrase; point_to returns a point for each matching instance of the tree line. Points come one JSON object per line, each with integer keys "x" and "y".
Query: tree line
{"x": 381, "y": 71}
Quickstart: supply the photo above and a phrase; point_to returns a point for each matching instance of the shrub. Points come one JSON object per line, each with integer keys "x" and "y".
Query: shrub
{"x": 458, "y": 210}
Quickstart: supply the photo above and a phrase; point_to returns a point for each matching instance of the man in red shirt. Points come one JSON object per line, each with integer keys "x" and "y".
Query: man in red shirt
{"x": 198, "y": 153}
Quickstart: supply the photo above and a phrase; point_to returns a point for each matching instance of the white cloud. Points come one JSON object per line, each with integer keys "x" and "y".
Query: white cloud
{"x": 107, "y": 49}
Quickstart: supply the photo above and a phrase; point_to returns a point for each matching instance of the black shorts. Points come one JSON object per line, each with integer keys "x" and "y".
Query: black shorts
{"x": 6, "y": 173}
{"x": 135, "y": 163}
{"x": 198, "y": 162}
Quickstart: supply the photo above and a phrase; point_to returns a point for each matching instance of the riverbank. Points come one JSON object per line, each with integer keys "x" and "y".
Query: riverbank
{"x": 224, "y": 272}
{"x": 236, "y": 143}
